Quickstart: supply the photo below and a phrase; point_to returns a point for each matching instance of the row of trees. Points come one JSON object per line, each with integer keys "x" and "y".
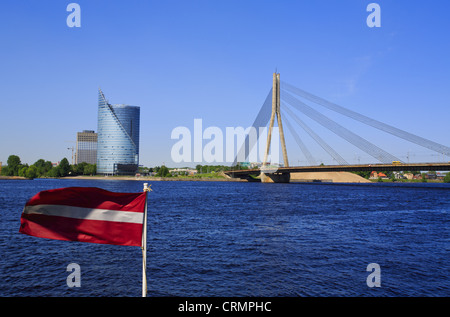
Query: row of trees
{"x": 160, "y": 171}
{"x": 204, "y": 169}
{"x": 42, "y": 168}
{"x": 447, "y": 178}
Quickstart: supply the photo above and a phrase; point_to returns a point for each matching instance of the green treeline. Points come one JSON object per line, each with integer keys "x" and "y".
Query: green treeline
{"x": 447, "y": 178}
{"x": 42, "y": 168}
{"x": 204, "y": 169}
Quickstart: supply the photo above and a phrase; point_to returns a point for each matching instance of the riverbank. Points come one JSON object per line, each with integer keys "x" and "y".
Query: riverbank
{"x": 13, "y": 177}
{"x": 324, "y": 177}
{"x": 152, "y": 178}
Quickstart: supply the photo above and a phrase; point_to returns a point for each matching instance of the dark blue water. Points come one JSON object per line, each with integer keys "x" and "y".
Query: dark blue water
{"x": 244, "y": 239}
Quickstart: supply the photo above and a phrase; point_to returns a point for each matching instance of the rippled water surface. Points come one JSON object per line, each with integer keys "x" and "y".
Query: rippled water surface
{"x": 244, "y": 239}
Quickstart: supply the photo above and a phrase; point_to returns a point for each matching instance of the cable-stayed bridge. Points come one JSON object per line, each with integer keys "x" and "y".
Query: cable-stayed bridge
{"x": 288, "y": 97}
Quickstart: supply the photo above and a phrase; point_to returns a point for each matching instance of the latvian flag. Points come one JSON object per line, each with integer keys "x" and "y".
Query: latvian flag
{"x": 85, "y": 214}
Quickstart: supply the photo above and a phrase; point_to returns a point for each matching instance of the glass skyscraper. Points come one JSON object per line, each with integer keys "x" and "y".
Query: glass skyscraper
{"x": 118, "y": 138}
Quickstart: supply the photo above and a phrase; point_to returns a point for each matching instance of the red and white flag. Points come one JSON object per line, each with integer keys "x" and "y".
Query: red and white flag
{"x": 85, "y": 214}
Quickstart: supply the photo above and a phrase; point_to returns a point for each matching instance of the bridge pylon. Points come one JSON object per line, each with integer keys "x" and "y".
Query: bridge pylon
{"x": 275, "y": 177}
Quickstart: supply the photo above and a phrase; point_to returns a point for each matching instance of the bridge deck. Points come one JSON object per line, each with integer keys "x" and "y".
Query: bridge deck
{"x": 349, "y": 168}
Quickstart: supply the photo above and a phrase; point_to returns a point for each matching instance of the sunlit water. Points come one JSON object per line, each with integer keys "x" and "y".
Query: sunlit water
{"x": 244, "y": 239}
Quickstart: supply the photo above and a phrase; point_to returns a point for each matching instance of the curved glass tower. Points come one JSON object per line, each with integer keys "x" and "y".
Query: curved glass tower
{"x": 118, "y": 138}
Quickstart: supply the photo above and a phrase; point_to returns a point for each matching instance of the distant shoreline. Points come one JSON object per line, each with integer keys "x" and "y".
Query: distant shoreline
{"x": 151, "y": 178}
{"x": 206, "y": 179}
{"x": 13, "y": 178}
{"x": 131, "y": 178}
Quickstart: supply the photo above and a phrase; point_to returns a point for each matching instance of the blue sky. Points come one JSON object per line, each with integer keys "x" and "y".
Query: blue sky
{"x": 214, "y": 60}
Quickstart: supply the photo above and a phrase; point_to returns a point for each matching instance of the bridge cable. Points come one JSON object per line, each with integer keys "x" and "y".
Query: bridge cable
{"x": 302, "y": 146}
{"x": 439, "y": 148}
{"x": 344, "y": 133}
{"x": 316, "y": 137}
{"x": 262, "y": 119}
{"x": 339, "y": 130}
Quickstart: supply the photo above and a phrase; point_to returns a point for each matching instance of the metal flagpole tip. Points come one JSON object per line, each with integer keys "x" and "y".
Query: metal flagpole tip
{"x": 146, "y": 187}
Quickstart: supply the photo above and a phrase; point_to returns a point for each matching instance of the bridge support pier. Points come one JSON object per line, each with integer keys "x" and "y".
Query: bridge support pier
{"x": 275, "y": 177}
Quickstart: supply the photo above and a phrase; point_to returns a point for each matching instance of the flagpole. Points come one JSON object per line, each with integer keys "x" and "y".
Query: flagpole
{"x": 144, "y": 245}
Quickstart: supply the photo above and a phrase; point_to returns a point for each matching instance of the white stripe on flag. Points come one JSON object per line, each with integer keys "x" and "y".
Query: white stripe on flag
{"x": 86, "y": 213}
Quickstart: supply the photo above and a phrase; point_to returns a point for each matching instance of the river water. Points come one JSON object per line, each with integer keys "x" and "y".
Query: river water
{"x": 244, "y": 239}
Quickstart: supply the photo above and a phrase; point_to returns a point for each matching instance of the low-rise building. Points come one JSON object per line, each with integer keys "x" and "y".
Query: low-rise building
{"x": 376, "y": 175}
{"x": 183, "y": 171}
